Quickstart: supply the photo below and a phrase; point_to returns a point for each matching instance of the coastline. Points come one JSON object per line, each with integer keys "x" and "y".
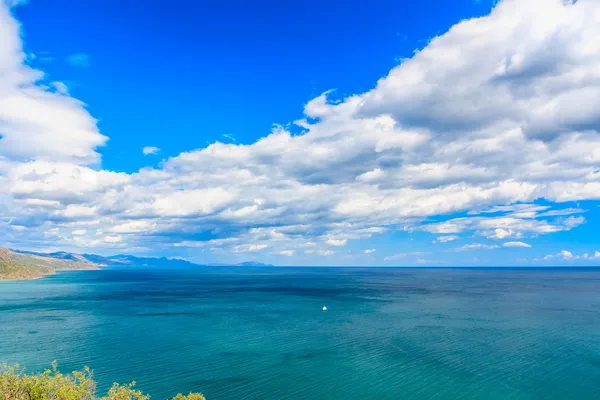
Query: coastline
{"x": 16, "y": 266}
{"x": 43, "y": 275}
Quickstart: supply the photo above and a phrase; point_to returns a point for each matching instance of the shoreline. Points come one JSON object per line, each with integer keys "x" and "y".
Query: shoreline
{"x": 53, "y": 272}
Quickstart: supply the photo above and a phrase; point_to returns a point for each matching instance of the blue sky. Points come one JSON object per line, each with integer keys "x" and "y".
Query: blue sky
{"x": 354, "y": 133}
{"x": 200, "y": 70}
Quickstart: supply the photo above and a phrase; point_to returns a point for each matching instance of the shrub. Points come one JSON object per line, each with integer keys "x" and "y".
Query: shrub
{"x": 52, "y": 385}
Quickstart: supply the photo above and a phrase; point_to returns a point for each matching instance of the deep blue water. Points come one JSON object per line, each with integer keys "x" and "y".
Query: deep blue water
{"x": 260, "y": 333}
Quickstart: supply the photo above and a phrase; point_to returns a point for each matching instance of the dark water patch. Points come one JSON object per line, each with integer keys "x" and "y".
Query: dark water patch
{"x": 594, "y": 361}
{"x": 309, "y": 355}
{"x": 240, "y": 353}
{"x": 427, "y": 327}
{"x": 49, "y": 318}
{"x": 232, "y": 380}
{"x": 23, "y": 306}
{"x": 168, "y": 314}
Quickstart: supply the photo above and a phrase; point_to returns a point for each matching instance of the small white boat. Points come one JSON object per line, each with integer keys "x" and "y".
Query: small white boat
{"x": 324, "y": 308}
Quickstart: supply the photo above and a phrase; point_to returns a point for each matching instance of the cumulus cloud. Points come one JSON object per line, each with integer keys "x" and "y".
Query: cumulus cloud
{"x": 36, "y": 121}
{"x": 516, "y": 244}
{"x": 446, "y": 239}
{"x": 505, "y": 225}
{"x": 336, "y": 242}
{"x": 150, "y": 150}
{"x": 325, "y": 253}
{"x": 500, "y": 233}
{"x": 494, "y": 114}
{"x": 370, "y": 251}
{"x": 566, "y": 255}
{"x": 478, "y": 246}
{"x": 245, "y": 248}
{"x": 399, "y": 256}
{"x": 112, "y": 239}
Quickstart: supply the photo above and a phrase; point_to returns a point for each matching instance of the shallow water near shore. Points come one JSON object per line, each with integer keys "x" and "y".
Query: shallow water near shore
{"x": 260, "y": 333}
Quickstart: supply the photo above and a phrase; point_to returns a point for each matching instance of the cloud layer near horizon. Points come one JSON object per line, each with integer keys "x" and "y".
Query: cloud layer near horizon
{"x": 497, "y": 111}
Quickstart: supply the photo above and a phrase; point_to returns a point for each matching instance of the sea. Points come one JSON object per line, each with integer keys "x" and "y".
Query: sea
{"x": 261, "y": 333}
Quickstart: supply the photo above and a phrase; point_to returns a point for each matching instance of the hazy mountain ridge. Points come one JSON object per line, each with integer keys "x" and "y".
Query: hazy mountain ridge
{"x": 242, "y": 264}
{"x": 125, "y": 260}
{"x": 26, "y": 266}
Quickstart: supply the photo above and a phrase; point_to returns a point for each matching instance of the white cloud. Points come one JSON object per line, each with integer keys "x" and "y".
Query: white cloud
{"x": 497, "y": 112}
{"x": 516, "y": 244}
{"x": 213, "y": 242}
{"x": 516, "y": 210}
{"x": 500, "y": 233}
{"x": 38, "y": 122}
{"x": 504, "y": 226}
{"x": 478, "y": 246}
{"x": 370, "y": 176}
{"x": 399, "y": 256}
{"x": 336, "y": 242}
{"x": 136, "y": 226}
{"x": 148, "y": 150}
{"x": 369, "y": 251}
{"x": 186, "y": 203}
{"x": 287, "y": 253}
{"x": 423, "y": 261}
{"x": 446, "y": 239}
{"x": 61, "y": 88}
{"x": 566, "y": 255}
{"x": 245, "y": 248}
{"x": 112, "y": 239}
{"x": 325, "y": 253}
{"x": 564, "y": 211}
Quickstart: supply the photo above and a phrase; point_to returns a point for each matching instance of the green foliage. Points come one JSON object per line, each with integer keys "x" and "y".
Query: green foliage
{"x": 48, "y": 385}
{"x": 191, "y": 396}
{"x": 52, "y": 385}
{"x": 125, "y": 392}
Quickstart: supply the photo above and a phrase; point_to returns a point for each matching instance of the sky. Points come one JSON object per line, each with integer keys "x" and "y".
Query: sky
{"x": 390, "y": 133}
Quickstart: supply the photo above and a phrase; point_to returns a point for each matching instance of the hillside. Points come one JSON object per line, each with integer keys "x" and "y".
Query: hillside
{"x": 21, "y": 266}
{"x": 134, "y": 261}
{"x": 27, "y": 265}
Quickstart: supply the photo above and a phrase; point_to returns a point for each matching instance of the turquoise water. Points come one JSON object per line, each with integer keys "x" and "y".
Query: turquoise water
{"x": 260, "y": 333}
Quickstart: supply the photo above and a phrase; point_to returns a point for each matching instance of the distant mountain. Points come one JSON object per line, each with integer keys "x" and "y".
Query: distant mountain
{"x": 25, "y": 266}
{"x": 60, "y": 255}
{"x": 125, "y": 259}
{"x": 252, "y": 264}
{"x": 120, "y": 259}
{"x": 242, "y": 264}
